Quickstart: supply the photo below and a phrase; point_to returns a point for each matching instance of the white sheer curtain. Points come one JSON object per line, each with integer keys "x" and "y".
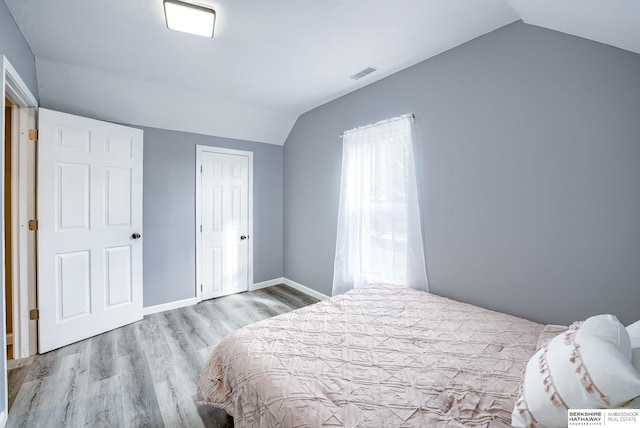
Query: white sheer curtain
{"x": 379, "y": 230}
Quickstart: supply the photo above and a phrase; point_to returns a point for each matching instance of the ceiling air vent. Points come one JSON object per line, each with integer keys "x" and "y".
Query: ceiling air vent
{"x": 363, "y": 73}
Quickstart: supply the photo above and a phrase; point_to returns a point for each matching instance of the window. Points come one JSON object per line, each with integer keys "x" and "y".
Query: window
{"x": 379, "y": 235}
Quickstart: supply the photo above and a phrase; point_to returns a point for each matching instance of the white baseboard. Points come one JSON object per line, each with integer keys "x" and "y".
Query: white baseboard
{"x": 168, "y": 306}
{"x": 304, "y": 289}
{"x": 265, "y": 284}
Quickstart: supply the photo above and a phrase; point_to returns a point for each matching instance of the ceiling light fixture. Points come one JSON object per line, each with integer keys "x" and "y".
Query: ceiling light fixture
{"x": 189, "y": 18}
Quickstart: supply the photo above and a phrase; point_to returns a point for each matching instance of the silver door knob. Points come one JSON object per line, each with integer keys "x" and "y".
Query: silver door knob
{"x": 243, "y": 237}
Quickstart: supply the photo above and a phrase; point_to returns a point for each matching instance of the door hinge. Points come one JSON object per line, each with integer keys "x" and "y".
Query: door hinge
{"x": 34, "y": 314}
{"x": 200, "y": 169}
{"x": 200, "y": 228}
{"x": 33, "y": 224}
{"x": 33, "y": 134}
{"x": 201, "y": 288}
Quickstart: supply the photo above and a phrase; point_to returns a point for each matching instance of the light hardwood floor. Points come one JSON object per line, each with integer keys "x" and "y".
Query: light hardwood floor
{"x": 140, "y": 375}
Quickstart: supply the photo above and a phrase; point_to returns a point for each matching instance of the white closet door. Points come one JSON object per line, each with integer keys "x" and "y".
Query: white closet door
{"x": 90, "y": 226}
{"x": 225, "y": 224}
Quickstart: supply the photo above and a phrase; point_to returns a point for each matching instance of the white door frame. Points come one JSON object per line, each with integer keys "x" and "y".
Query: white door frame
{"x": 199, "y": 150}
{"x": 23, "y": 117}
{"x": 22, "y": 245}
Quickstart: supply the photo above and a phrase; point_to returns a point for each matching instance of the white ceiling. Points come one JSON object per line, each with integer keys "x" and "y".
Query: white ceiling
{"x": 270, "y": 60}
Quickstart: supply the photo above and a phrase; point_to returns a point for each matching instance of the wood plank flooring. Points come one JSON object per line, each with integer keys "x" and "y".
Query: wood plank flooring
{"x": 140, "y": 375}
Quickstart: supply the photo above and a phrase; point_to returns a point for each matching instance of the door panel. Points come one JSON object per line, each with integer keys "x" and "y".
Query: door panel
{"x": 73, "y": 139}
{"x": 73, "y": 284}
{"x": 225, "y": 219}
{"x": 72, "y": 196}
{"x": 118, "y": 275}
{"x": 89, "y": 206}
{"x": 118, "y": 191}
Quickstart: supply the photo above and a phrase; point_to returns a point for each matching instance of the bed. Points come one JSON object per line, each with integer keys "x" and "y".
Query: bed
{"x": 380, "y": 355}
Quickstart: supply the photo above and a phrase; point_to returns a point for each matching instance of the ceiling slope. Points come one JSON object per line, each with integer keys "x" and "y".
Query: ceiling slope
{"x": 120, "y": 98}
{"x": 270, "y": 60}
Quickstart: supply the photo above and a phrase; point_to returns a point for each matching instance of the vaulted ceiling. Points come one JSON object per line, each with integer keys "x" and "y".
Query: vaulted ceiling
{"x": 270, "y": 60}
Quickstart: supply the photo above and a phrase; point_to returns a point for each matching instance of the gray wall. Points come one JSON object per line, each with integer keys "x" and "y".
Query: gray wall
{"x": 169, "y": 211}
{"x": 15, "y": 48}
{"x": 529, "y": 150}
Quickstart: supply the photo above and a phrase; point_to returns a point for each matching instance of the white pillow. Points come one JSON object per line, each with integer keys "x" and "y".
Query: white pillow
{"x": 634, "y": 334}
{"x": 634, "y": 329}
{"x": 587, "y": 367}
{"x": 633, "y": 404}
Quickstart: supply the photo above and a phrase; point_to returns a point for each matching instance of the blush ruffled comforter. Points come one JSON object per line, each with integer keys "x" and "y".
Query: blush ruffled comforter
{"x": 376, "y": 356}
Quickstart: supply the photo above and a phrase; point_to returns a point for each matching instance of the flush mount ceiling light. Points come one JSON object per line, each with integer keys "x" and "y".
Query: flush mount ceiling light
{"x": 189, "y": 18}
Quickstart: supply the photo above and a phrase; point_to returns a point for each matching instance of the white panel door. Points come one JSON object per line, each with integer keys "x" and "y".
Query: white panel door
{"x": 89, "y": 227}
{"x": 225, "y": 224}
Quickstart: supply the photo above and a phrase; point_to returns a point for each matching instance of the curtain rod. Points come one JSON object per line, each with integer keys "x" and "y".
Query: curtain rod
{"x": 393, "y": 119}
